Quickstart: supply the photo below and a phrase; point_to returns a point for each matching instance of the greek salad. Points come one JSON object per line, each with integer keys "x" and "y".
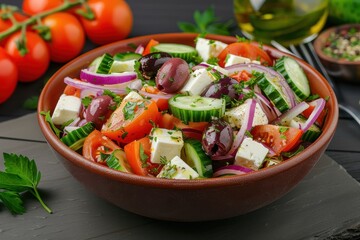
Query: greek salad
{"x": 170, "y": 110}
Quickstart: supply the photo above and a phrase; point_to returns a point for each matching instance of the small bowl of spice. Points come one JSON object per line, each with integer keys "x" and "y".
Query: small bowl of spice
{"x": 339, "y": 50}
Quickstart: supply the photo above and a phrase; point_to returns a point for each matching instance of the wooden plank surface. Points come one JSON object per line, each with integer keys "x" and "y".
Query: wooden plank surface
{"x": 311, "y": 209}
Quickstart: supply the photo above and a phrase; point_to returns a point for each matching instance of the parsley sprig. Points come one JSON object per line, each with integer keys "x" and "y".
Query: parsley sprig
{"x": 207, "y": 22}
{"x": 20, "y": 175}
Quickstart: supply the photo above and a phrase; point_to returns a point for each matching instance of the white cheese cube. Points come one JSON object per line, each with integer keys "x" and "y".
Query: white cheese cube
{"x": 217, "y": 68}
{"x": 67, "y": 108}
{"x": 209, "y": 48}
{"x": 235, "y": 116}
{"x": 132, "y": 97}
{"x": 251, "y": 154}
{"x": 165, "y": 144}
{"x": 123, "y": 66}
{"x": 199, "y": 80}
{"x": 232, "y": 59}
{"x": 176, "y": 168}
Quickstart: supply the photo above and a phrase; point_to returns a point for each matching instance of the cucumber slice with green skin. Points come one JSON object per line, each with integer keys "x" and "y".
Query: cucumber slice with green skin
{"x": 125, "y": 56}
{"x": 196, "y": 108}
{"x": 76, "y": 138}
{"x": 295, "y": 76}
{"x": 196, "y": 158}
{"x": 270, "y": 86}
{"x": 311, "y": 134}
{"x": 185, "y": 52}
{"x": 117, "y": 160}
{"x": 102, "y": 64}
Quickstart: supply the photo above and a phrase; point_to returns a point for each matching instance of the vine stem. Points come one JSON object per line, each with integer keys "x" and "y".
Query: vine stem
{"x": 18, "y": 25}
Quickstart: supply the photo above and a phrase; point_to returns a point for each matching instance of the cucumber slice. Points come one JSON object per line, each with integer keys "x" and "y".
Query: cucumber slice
{"x": 117, "y": 160}
{"x": 196, "y": 108}
{"x": 295, "y": 76}
{"x": 196, "y": 158}
{"x": 102, "y": 64}
{"x": 125, "y": 56}
{"x": 272, "y": 89}
{"x": 75, "y": 139}
{"x": 185, "y": 52}
{"x": 311, "y": 134}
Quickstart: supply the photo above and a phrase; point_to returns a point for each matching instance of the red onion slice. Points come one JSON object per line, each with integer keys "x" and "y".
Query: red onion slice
{"x": 319, "y": 107}
{"x": 246, "y": 126}
{"x": 231, "y": 170}
{"x": 118, "y": 89}
{"x": 140, "y": 49}
{"x": 156, "y": 96}
{"x": 102, "y": 79}
{"x": 286, "y": 117}
{"x": 250, "y": 67}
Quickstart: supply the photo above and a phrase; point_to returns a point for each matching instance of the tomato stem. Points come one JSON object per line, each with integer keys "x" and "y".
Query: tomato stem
{"x": 19, "y": 25}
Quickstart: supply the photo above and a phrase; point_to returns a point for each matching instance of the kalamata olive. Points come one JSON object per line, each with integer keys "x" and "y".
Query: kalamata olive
{"x": 151, "y": 63}
{"x": 217, "y": 138}
{"x": 172, "y": 75}
{"x": 97, "y": 110}
{"x": 225, "y": 86}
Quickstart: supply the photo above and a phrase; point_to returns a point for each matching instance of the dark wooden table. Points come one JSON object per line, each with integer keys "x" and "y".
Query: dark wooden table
{"x": 326, "y": 205}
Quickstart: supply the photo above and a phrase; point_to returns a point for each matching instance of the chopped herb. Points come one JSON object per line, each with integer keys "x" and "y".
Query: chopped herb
{"x": 163, "y": 160}
{"x": 213, "y": 61}
{"x": 292, "y": 154}
{"x": 143, "y": 157}
{"x": 86, "y": 101}
{"x": 124, "y": 135}
{"x": 52, "y": 125}
{"x": 129, "y": 110}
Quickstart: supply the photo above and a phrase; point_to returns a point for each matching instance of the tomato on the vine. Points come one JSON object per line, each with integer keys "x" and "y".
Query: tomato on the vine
{"x": 113, "y": 21}
{"x": 6, "y": 23}
{"x": 8, "y": 76}
{"x": 67, "y": 36}
{"x": 35, "y": 62}
{"x": 32, "y": 7}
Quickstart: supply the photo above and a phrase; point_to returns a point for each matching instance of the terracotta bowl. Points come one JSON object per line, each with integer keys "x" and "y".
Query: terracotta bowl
{"x": 341, "y": 69}
{"x": 185, "y": 200}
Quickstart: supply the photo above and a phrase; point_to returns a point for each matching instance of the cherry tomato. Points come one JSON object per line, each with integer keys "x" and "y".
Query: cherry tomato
{"x": 6, "y": 23}
{"x": 138, "y": 156}
{"x": 35, "y": 62}
{"x": 131, "y": 120}
{"x": 113, "y": 21}
{"x": 278, "y": 138}
{"x": 32, "y": 7}
{"x": 320, "y": 120}
{"x": 8, "y": 76}
{"x": 67, "y": 36}
{"x": 95, "y": 144}
{"x": 245, "y": 49}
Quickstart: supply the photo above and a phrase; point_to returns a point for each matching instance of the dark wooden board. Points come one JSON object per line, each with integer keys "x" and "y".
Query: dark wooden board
{"x": 311, "y": 209}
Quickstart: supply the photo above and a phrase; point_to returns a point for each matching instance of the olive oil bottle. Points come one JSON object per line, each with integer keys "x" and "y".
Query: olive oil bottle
{"x": 285, "y": 21}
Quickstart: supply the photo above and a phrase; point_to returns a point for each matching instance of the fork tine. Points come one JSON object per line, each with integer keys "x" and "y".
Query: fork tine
{"x": 307, "y": 55}
{"x": 295, "y": 51}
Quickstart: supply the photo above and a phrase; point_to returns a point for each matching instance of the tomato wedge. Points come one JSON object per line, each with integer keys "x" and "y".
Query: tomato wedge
{"x": 245, "y": 49}
{"x": 95, "y": 145}
{"x": 278, "y": 138}
{"x": 132, "y": 120}
{"x": 138, "y": 155}
{"x": 148, "y": 47}
{"x": 191, "y": 130}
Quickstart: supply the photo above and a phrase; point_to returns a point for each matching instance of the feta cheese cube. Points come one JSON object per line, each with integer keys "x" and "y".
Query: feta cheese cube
{"x": 251, "y": 154}
{"x": 67, "y": 108}
{"x": 199, "y": 80}
{"x": 165, "y": 144}
{"x": 232, "y": 59}
{"x": 176, "y": 168}
{"x": 235, "y": 116}
{"x": 217, "y": 68}
{"x": 209, "y": 48}
{"x": 123, "y": 66}
{"x": 132, "y": 96}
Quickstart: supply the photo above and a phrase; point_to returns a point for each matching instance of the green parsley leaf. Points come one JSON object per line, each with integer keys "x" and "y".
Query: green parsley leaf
{"x": 12, "y": 201}
{"x": 20, "y": 175}
{"x": 207, "y": 22}
{"x": 31, "y": 103}
{"x": 52, "y": 125}
{"x": 129, "y": 110}
{"x": 86, "y": 101}
{"x": 143, "y": 157}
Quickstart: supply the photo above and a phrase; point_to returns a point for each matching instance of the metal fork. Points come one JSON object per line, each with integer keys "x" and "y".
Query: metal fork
{"x": 308, "y": 54}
